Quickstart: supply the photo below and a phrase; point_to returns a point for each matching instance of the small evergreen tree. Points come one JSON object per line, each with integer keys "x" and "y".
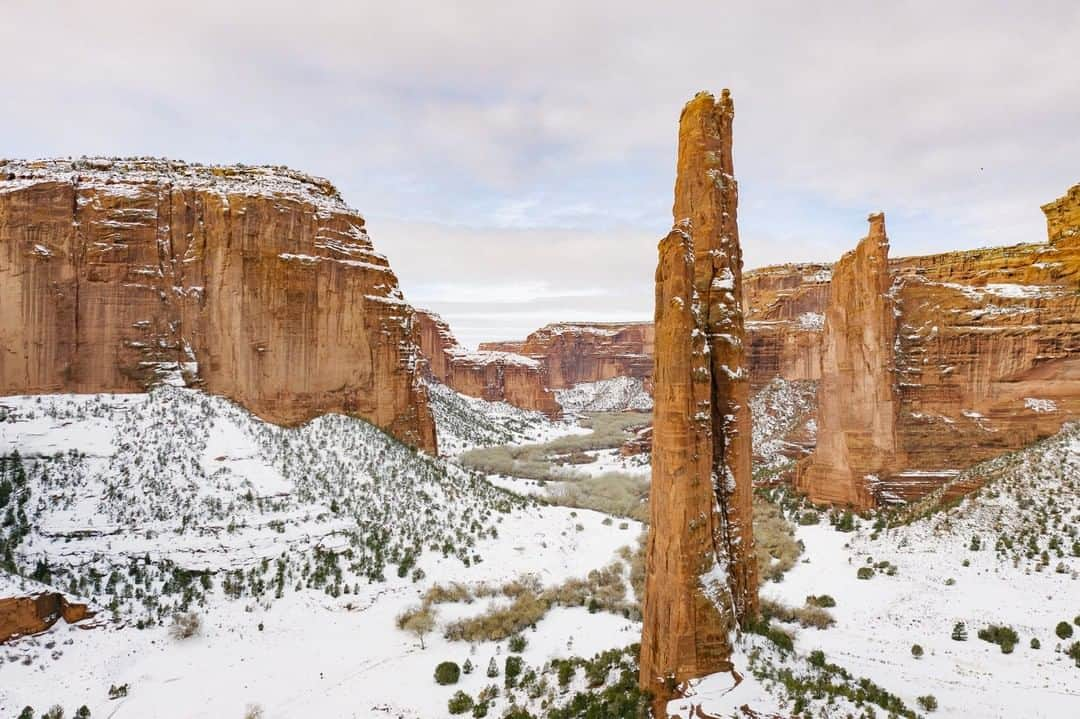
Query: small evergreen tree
{"x": 928, "y": 703}
{"x": 916, "y": 651}
{"x": 493, "y": 668}
{"x": 1064, "y": 630}
{"x": 959, "y": 632}
{"x": 467, "y": 667}
{"x": 459, "y": 703}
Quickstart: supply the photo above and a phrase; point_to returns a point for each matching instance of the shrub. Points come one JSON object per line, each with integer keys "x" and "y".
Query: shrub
{"x": 846, "y": 522}
{"x": 185, "y": 625}
{"x": 865, "y": 573}
{"x": 1004, "y": 637}
{"x": 809, "y": 517}
{"x": 118, "y": 692}
{"x": 479, "y": 710}
{"x": 253, "y": 711}
{"x": 512, "y": 669}
{"x": 817, "y": 658}
{"x": 517, "y": 643}
{"x": 57, "y": 712}
{"x": 976, "y": 544}
{"x": 959, "y": 632}
{"x": 459, "y": 703}
{"x": 928, "y": 703}
{"x": 1064, "y": 630}
{"x": 418, "y": 621}
{"x": 821, "y": 600}
{"x": 82, "y": 712}
{"x": 1073, "y": 652}
{"x": 1035, "y": 644}
{"x": 27, "y": 713}
{"x": 916, "y": 651}
{"x": 447, "y": 673}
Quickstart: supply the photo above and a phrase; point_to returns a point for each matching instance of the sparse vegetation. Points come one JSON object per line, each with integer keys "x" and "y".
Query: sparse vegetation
{"x": 185, "y": 625}
{"x": 1004, "y": 636}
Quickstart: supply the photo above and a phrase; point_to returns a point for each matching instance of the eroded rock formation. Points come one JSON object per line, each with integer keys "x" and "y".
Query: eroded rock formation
{"x": 496, "y": 376}
{"x": 259, "y": 284}
{"x": 858, "y": 405}
{"x": 984, "y": 357}
{"x": 701, "y": 575}
{"x": 576, "y": 352}
{"x": 20, "y": 616}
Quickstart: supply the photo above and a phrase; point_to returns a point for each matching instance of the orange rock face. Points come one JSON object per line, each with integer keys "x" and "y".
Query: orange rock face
{"x": 858, "y": 406}
{"x": 29, "y": 615}
{"x": 701, "y": 579}
{"x": 983, "y": 348}
{"x": 496, "y": 376}
{"x": 784, "y": 307}
{"x": 258, "y": 284}
{"x": 572, "y": 353}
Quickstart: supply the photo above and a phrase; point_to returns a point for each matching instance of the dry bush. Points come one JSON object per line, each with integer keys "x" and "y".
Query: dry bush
{"x": 807, "y": 616}
{"x": 774, "y": 541}
{"x": 253, "y": 711}
{"x": 617, "y": 493}
{"x": 185, "y": 625}
{"x": 447, "y": 594}
{"x": 499, "y": 623}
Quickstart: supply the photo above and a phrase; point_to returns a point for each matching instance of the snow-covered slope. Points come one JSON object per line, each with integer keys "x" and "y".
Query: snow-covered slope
{"x": 618, "y": 394}
{"x": 463, "y": 423}
{"x": 297, "y": 548}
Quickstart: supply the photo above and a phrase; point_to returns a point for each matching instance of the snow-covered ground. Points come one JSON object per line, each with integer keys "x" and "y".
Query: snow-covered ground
{"x": 299, "y": 548}
{"x": 296, "y": 547}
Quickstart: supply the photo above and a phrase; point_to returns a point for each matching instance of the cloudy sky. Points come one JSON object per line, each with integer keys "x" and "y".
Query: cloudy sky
{"x": 515, "y": 160}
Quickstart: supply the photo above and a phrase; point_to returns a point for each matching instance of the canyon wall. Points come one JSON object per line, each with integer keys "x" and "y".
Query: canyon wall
{"x": 496, "y": 376}
{"x": 256, "y": 283}
{"x": 984, "y": 357}
{"x": 701, "y": 574}
{"x": 784, "y": 307}
{"x": 577, "y": 352}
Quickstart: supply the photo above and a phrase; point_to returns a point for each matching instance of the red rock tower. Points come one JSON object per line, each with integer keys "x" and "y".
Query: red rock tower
{"x": 701, "y": 580}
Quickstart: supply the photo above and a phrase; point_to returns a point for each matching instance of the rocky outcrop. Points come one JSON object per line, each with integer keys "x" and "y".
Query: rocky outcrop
{"x": 858, "y": 404}
{"x": 701, "y": 576}
{"x": 20, "y": 616}
{"x": 984, "y": 357}
{"x": 258, "y": 284}
{"x": 491, "y": 375}
{"x": 784, "y": 308}
{"x": 578, "y": 352}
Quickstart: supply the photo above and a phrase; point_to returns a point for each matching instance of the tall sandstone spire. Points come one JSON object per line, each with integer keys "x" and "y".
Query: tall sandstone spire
{"x": 858, "y": 405}
{"x": 701, "y": 579}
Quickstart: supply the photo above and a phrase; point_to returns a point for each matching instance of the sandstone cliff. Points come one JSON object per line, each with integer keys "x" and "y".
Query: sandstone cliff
{"x": 857, "y": 397}
{"x": 496, "y": 376}
{"x": 701, "y": 574}
{"x": 258, "y": 284}
{"x": 985, "y": 352}
{"x": 20, "y": 616}
{"x": 576, "y": 352}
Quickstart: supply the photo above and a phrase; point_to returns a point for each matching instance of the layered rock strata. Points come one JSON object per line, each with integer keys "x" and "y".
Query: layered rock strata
{"x": 701, "y": 579}
{"x": 20, "y": 616}
{"x": 985, "y": 358}
{"x": 496, "y": 376}
{"x": 858, "y": 405}
{"x": 577, "y": 352}
{"x": 256, "y": 283}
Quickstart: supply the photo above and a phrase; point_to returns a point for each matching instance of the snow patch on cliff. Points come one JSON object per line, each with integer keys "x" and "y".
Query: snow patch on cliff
{"x": 618, "y": 394}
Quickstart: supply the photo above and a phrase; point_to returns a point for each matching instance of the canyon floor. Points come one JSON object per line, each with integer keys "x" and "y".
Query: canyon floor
{"x": 298, "y": 552}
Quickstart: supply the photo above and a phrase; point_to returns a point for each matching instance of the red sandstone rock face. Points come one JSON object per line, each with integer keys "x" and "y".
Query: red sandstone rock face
{"x": 258, "y": 284}
{"x": 20, "y": 616}
{"x": 492, "y": 375}
{"x": 986, "y": 353}
{"x": 858, "y": 405}
{"x": 701, "y": 578}
{"x": 573, "y": 353}
{"x": 785, "y": 307}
